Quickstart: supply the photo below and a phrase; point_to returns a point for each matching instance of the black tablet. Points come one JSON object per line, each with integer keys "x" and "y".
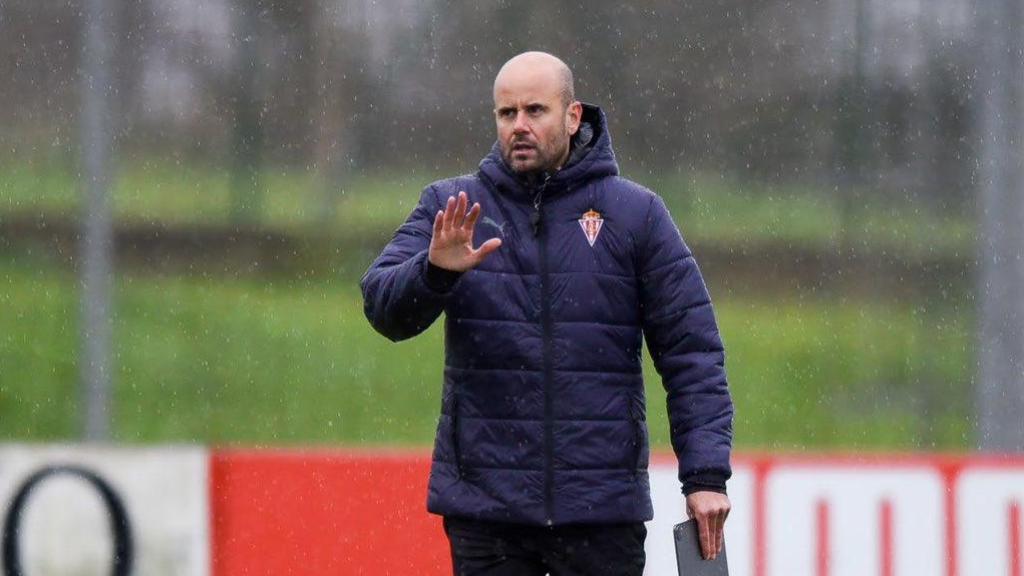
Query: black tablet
{"x": 688, "y": 556}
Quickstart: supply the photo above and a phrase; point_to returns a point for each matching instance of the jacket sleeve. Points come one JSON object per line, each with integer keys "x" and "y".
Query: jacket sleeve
{"x": 402, "y": 292}
{"x": 682, "y": 336}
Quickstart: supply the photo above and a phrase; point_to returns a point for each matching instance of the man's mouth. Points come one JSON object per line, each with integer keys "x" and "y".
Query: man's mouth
{"x": 521, "y": 147}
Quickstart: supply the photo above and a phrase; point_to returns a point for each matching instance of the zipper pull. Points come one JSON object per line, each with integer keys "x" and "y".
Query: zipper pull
{"x": 535, "y": 216}
{"x": 537, "y": 200}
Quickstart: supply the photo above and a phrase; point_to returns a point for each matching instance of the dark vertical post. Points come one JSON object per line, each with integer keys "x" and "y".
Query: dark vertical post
{"x": 247, "y": 144}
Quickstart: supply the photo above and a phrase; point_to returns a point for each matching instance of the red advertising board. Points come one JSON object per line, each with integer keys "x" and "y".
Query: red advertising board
{"x": 299, "y": 512}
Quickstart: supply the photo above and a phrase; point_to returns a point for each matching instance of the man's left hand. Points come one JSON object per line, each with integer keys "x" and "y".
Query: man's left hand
{"x": 710, "y": 509}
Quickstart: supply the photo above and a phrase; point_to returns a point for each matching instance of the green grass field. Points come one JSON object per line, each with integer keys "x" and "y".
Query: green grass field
{"x": 292, "y": 361}
{"x": 708, "y": 208}
{"x": 250, "y": 361}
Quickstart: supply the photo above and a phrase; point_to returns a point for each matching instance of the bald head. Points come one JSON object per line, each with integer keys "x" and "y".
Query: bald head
{"x": 538, "y": 66}
{"x": 535, "y": 112}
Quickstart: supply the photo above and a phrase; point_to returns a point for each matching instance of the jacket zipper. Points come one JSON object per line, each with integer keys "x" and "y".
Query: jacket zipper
{"x": 545, "y": 316}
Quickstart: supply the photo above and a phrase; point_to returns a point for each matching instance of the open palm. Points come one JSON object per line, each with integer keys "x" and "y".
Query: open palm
{"x": 451, "y": 246}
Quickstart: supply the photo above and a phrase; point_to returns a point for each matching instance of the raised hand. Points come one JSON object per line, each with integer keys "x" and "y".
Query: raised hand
{"x": 451, "y": 246}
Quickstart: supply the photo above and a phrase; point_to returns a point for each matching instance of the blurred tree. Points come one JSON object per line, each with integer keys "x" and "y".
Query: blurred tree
{"x": 41, "y": 46}
{"x": 770, "y": 90}
{"x": 852, "y": 120}
{"x": 335, "y": 57}
{"x": 247, "y": 125}
{"x": 942, "y": 149}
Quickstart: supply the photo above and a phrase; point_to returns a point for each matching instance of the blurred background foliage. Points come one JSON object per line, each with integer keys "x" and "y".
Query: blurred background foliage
{"x": 816, "y": 155}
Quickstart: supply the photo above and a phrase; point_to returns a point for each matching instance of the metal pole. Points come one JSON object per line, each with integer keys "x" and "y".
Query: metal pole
{"x": 97, "y": 239}
{"x": 1000, "y": 392}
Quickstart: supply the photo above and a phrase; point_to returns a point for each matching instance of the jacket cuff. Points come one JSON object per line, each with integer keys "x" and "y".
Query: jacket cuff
{"x": 704, "y": 482}
{"x": 440, "y": 279}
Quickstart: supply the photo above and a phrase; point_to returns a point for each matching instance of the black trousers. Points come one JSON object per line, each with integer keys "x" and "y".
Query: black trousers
{"x": 497, "y": 549}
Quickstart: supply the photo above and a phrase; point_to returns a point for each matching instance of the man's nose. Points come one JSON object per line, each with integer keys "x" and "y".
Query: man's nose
{"x": 520, "y": 124}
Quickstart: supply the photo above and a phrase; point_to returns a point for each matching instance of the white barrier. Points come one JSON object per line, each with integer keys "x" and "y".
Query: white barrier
{"x": 198, "y": 513}
{"x": 989, "y": 506}
{"x": 860, "y": 516}
{"x": 64, "y": 525}
{"x": 853, "y": 522}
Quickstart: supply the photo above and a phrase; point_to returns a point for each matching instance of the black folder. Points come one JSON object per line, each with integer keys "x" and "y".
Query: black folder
{"x": 688, "y": 556}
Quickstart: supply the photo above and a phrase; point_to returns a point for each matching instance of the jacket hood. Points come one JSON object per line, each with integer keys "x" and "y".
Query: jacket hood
{"x": 590, "y": 156}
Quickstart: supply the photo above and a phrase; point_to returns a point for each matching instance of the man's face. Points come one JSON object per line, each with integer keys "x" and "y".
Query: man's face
{"x": 534, "y": 124}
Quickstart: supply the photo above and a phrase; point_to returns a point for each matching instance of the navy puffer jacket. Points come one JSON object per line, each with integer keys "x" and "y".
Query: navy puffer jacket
{"x": 543, "y": 413}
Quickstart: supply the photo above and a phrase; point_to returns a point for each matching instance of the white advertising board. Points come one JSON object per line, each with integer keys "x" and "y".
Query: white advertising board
{"x": 64, "y": 524}
{"x": 990, "y": 502}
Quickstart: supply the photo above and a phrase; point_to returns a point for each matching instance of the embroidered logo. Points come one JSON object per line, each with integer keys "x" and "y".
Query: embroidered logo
{"x": 500, "y": 227}
{"x": 591, "y": 223}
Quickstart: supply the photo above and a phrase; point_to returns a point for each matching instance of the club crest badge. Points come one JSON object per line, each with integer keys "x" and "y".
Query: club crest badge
{"x": 591, "y": 223}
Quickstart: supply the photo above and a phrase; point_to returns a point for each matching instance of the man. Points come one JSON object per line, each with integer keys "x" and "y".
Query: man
{"x": 540, "y": 460}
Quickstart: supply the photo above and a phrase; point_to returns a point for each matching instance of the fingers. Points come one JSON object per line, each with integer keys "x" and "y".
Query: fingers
{"x": 720, "y": 530}
{"x": 438, "y": 223}
{"x": 460, "y": 210}
{"x": 710, "y": 509}
{"x": 449, "y": 213}
{"x": 486, "y": 249}
{"x": 705, "y": 530}
{"x": 471, "y": 218}
{"x": 455, "y": 215}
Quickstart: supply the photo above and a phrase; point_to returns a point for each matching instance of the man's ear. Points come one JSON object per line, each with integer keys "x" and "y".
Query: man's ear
{"x": 573, "y": 117}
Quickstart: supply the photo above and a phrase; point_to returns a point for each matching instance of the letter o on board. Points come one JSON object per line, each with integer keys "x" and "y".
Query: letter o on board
{"x": 119, "y": 524}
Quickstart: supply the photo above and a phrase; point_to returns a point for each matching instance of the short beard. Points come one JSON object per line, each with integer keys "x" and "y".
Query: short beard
{"x": 534, "y": 176}
{"x": 531, "y": 178}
